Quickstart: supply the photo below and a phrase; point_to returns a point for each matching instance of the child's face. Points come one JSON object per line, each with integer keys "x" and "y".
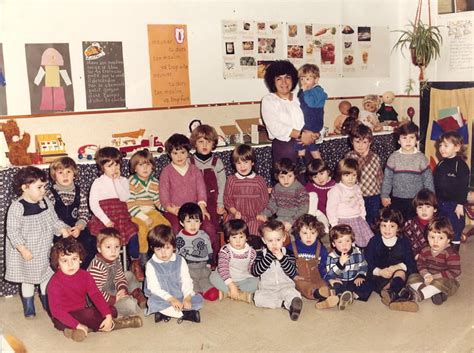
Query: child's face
{"x": 349, "y": 179}
{"x": 308, "y": 81}
{"x": 112, "y": 169}
{"x": 388, "y": 229}
{"x": 238, "y": 241}
{"x": 407, "y": 142}
{"x": 64, "y": 176}
{"x": 425, "y": 212}
{"x": 144, "y": 169}
{"x": 343, "y": 244}
{"x": 322, "y": 178}
{"x": 191, "y": 225}
{"x": 244, "y": 167}
{"x": 164, "y": 253}
{"x": 179, "y": 157}
{"x": 308, "y": 235}
{"x": 438, "y": 241}
{"x": 204, "y": 146}
{"x": 286, "y": 180}
{"x": 109, "y": 248}
{"x": 361, "y": 146}
{"x": 273, "y": 239}
{"x": 34, "y": 192}
{"x": 69, "y": 264}
{"x": 447, "y": 149}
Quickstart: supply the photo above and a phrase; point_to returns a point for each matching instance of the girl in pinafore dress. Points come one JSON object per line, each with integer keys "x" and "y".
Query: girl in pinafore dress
{"x": 31, "y": 225}
{"x": 168, "y": 284}
{"x": 346, "y": 204}
{"x": 107, "y": 199}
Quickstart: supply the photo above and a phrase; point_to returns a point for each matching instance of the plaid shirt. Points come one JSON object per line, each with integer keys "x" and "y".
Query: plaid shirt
{"x": 355, "y": 267}
{"x": 372, "y": 175}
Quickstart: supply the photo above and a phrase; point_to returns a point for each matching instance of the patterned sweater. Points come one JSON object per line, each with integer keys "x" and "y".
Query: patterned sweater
{"x": 372, "y": 175}
{"x": 100, "y": 269}
{"x": 414, "y": 231}
{"x": 265, "y": 259}
{"x": 406, "y": 174}
{"x": 194, "y": 247}
{"x": 445, "y": 264}
{"x": 355, "y": 267}
{"x": 224, "y": 264}
{"x": 67, "y": 195}
{"x": 288, "y": 203}
{"x": 144, "y": 196}
{"x": 345, "y": 202}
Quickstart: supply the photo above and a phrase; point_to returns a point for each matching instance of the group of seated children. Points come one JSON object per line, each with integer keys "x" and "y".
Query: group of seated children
{"x": 273, "y": 252}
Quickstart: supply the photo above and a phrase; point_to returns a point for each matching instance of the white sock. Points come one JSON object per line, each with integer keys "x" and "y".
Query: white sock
{"x": 27, "y": 290}
{"x": 429, "y": 291}
{"x": 43, "y": 286}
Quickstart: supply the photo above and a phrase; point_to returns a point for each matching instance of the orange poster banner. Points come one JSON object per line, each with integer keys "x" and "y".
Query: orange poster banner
{"x": 168, "y": 47}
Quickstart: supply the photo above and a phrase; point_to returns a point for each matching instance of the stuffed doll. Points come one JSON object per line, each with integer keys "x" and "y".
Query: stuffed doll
{"x": 386, "y": 111}
{"x": 351, "y": 122}
{"x": 344, "y": 109}
{"x": 17, "y": 146}
{"x": 368, "y": 115}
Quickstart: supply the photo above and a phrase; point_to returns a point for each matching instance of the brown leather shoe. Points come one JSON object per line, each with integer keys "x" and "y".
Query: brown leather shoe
{"x": 137, "y": 270}
{"x": 127, "y": 322}
{"x": 75, "y": 334}
{"x": 140, "y": 297}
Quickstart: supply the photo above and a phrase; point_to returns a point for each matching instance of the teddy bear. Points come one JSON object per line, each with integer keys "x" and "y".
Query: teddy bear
{"x": 386, "y": 111}
{"x": 17, "y": 146}
{"x": 368, "y": 115}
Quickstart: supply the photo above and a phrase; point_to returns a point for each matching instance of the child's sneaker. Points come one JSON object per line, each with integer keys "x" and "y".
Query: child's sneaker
{"x": 439, "y": 298}
{"x": 346, "y": 299}
{"x": 386, "y": 296}
{"x": 404, "y": 305}
{"x": 161, "y": 317}
{"x": 295, "y": 308}
{"x": 75, "y": 334}
{"x": 330, "y": 302}
{"x": 416, "y": 295}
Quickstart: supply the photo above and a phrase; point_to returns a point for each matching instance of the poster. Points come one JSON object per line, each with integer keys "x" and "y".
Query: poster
{"x": 49, "y": 78}
{"x": 366, "y": 51}
{"x": 250, "y": 46}
{"x": 3, "y": 83}
{"x": 317, "y": 44}
{"x": 168, "y": 50}
{"x": 104, "y": 74}
{"x": 460, "y": 44}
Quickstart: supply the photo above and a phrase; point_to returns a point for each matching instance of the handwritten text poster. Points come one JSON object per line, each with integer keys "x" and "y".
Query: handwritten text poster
{"x": 168, "y": 47}
{"x": 104, "y": 74}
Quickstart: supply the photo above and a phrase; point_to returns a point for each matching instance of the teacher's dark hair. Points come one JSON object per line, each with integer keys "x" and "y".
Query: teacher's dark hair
{"x": 278, "y": 68}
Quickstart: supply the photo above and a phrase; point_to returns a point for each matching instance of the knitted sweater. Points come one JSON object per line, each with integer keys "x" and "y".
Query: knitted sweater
{"x": 194, "y": 248}
{"x": 67, "y": 195}
{"x": 344, "y": 202}
{"x": 100, "y": 269}
{"x": 288, "y": 203}
{"x": 445, "y": 264}
{"x": 144, "y": 196}
{"x": 406, "y": 174}
{"x": 414, "y": 231}
{"x": 308, "y": 252}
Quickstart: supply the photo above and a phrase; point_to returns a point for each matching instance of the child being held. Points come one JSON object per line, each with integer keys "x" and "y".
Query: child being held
{"x": 276, "y": 267}
{"x": 311, "y": 257}
{"x": 439, "y": 265}
{"x": 451, "y": 180}
{"x": 204, "y": 140}
{"x": 391, "y": 261}
{"x": 246, "y": 193}
{"x": 168, "y": 284}
{"x": 346, "y": 204}
{"x": 71, "y": 204}
{"x": 426, "y": 205}
{"x": 107, "y": 198}
{"x": 346, "y": 268}
{"x": 289, "y": 199}
{"x": 68, "y": 291}
{"x": 119, "y": 289}
{"x": 371, "y": 175}
{"x": 233, "y": 277}
{"x": 407, "y": 172}
{"x": 194, "y": 245}
{"x": 312, "y": 99}
{"x": 144, "y": 203}
{"x": 31, "y": 226}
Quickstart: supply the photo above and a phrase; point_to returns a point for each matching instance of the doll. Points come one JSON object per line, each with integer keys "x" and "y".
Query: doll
{"x": 386, "y": 111}
{"x": 344, "y": 107}
{"x": 368, "y": 115}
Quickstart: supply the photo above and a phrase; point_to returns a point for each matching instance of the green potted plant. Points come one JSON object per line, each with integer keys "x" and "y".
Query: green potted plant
{"x": 423, "y": 41}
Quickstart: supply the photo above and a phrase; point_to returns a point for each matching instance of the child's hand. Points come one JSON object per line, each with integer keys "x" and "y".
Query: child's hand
{"x": 261, "y": 218}
{"x": 332, "y": 282}
{"x": 173, "y": 209}
{"x": 343, "y": 258}
{"x": 277, "y": 252}
{"x": 220, "y": 210}
{"x": 428, "y": 279}
{"x": 237, "y": 214}
{"x": 65, "y": 232}
{"x": 107, "y": 325}
{"x": 74, "y": 232}
{"x": 175, "y": 303}
{"x": 25, "y": 253}
{"x": 206, "y": 214}
{"x": 148, "y": 221}
{"x": 459, "y": 211}
{"x": 316, "y": 135}
{"x": 287, "y": 226}
{"x": 359, "y": 281}
{"x": 187, "y": 303}
{"x": 121, "y": 294}
{"x": 386, "y": 201}
{"x": 83, "y": 328}
{"x": 233, "y": 291}
{"x": 110, "y": 224}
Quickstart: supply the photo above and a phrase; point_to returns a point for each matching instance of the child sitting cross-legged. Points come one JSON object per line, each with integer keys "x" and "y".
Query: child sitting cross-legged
{"x": 68, "y": 291}
{"x": 311, "y": 258}
{"x": 439, "y": 265}
{"x": 122, "y": 290}
{"x": 346, "y": 267}
{"x": 233, "y": 277}
{"x": 276, "y": 267}
{"x": 168, "y": 285}
{"x": 194, "y": 245}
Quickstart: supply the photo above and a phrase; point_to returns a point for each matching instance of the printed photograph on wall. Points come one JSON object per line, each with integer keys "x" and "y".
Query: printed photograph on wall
{"x": 49, "y": 77}
{"x": 104, "y": 74}
{"x": 3, "y": 83}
